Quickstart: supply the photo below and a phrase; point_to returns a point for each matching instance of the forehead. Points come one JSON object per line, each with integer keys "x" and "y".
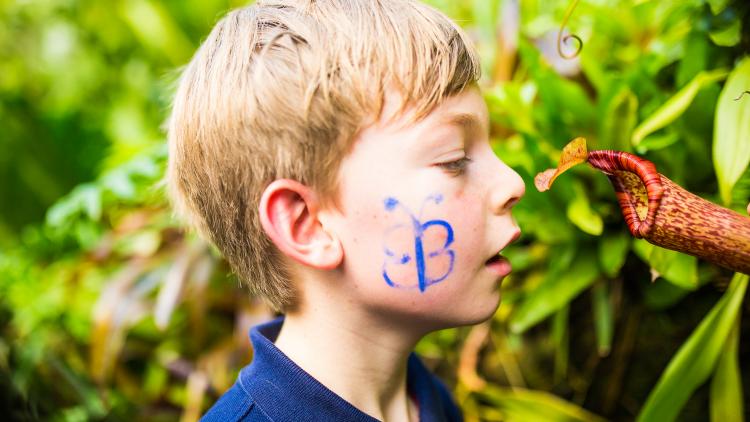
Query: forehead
{"x": 465, "y": 110}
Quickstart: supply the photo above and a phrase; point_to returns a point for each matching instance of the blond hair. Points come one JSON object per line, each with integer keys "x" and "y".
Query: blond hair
{"x": 279, "y": 90}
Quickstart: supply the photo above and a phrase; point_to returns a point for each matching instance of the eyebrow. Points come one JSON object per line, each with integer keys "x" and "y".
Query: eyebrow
{"x": 468, "y": 121}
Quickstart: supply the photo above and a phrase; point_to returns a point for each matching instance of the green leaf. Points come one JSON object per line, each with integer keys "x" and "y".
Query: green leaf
{"x": 613, "y": 249}
{"x": 580, "y": 213}
{"x": 619, "y": 120}
{"x": 656, "y": 142}
{"x": 561, "y": 101}
{"x": 523, "y": 257}
{"x": 695, "y": 62}
{"x": 518, "y": 404}
{"x": 741, "y": 192}
{"x": 726, "y": 385}
{"x": 153, "y": 25}
{"x": 731, "y": 147}
{"x": 718, "y": 6}
{"x": 119, "y": 183}
{"x": 556, "y": 291}
{"x": 675, "y": 106}
{"x": 604, "y": 322}
{"x": 560, "y": 339}
{"x": 506, "y": 104}
{"x": 91, "y": 200}
{"x": 675, "y": 267}
{"x": 728, "y": 36}
{"x": 659, "y": 296}
{"x": 60, "y": 213}
{"x": 695, "y": 361}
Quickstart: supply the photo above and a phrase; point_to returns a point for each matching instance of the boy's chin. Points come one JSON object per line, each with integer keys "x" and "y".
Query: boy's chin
{"x": 425, "y": 313}
{"x": 464, "y": 314}
{"x": 477, "y": 314}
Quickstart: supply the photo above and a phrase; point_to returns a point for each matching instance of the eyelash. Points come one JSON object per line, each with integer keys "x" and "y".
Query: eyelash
{"x": 456, "y": 167}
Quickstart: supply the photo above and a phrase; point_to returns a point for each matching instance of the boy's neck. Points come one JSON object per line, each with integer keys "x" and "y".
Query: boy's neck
{"x": 361, "y": 360}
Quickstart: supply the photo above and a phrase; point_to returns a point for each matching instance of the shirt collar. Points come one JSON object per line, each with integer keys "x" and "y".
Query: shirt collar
{"x": 284, "y": 391}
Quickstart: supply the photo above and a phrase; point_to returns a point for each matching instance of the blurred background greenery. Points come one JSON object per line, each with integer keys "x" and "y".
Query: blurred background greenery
{"x": 109, "y": 310}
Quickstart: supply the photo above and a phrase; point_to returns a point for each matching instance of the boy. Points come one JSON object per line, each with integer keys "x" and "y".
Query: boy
{"x": 337, "y": 153}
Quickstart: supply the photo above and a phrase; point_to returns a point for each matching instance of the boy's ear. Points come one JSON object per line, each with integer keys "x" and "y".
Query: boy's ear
{"x": 289, "y": 216}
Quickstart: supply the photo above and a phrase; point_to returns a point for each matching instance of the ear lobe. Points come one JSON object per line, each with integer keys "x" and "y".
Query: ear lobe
{"x": 289, "y": 216}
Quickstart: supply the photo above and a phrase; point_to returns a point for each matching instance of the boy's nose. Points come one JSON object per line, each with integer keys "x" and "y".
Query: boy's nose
{"x": 508, "y": 189}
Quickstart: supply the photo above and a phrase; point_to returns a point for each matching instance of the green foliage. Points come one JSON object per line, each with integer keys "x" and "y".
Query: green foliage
{"x": 566, "y": 279}
{"x": 109, "y": 310}
{"x": 523, "y": 405}
{"x": 726, "y": 386}
{"x": 732, "y": 131}
{"x": 674, "y": 267}
{"x": 696, "y": 359}
{"x": 675, "y": 106}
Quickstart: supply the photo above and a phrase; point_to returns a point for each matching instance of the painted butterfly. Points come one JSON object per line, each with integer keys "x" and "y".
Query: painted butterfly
{"x": 432, "y": 266}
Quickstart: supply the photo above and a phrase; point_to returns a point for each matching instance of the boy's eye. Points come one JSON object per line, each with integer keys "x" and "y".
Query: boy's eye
{"x": 456, "y": 167}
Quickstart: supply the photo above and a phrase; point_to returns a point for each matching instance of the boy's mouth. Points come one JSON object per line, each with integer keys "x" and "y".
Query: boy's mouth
{"x": 499, "y": 265}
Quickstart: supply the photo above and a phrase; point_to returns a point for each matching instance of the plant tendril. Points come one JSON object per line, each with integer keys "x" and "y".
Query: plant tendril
{"x": 738, "y": 98}
{"x": 565, "y": 39}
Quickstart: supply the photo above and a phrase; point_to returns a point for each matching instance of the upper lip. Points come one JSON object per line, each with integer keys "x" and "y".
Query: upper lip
{"x": 512, "y": 239}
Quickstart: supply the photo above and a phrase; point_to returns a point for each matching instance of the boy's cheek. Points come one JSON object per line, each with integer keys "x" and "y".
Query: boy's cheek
{"x": 440, "y": 267}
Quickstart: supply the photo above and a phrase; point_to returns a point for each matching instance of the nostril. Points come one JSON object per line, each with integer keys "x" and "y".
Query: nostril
{"x": 512, "y": 202}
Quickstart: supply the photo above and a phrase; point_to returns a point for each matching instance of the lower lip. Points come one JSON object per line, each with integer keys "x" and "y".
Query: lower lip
{"x": 500, "y": 267}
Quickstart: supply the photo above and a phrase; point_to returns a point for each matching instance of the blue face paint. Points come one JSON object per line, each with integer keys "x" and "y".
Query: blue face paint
{"x": 416, "y": 257}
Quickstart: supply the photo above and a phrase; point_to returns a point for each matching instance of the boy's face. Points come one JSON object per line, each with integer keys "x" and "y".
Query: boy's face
{"x": 423, "y": 210}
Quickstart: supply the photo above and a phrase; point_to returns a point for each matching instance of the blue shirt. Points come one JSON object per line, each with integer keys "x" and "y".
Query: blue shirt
{"x": 273, "y": 388}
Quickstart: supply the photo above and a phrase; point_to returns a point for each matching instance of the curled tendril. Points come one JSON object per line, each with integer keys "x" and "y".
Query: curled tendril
{"x": 564, "y": 40}
{"x": 738, "y": 98}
